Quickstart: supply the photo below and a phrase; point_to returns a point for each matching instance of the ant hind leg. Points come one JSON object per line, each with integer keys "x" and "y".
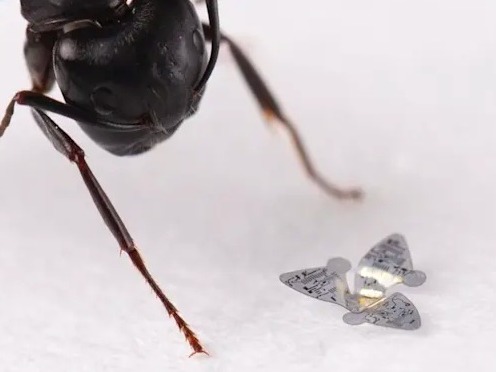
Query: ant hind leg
{"x": 274, "y": 113}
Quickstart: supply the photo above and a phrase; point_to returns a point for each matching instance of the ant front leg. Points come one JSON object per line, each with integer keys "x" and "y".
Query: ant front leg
{"x": 215, "y": 38}
{"x": 45, "y": 103}
{"x": 67, "y": 147}
{"x": 273, "y": 113}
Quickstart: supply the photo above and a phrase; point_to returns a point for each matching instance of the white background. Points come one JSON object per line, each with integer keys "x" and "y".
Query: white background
{"x": 398, "y": 97}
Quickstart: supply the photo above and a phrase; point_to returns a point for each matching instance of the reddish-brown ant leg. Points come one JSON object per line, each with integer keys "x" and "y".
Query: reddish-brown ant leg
{"x": 67, "y": 147}
{"x": 38, "y": 55}
{"x": 273, "y": 112}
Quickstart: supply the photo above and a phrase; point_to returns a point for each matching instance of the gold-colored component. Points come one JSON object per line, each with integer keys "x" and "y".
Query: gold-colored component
{"x": 384, "y": 278}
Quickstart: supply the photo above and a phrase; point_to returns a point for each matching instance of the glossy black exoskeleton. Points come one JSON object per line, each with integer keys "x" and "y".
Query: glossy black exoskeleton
{"x": 137, "y": 73}
{"x": 130, "y": 73}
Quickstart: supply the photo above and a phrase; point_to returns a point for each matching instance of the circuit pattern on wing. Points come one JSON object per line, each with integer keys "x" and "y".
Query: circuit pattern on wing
{"x": 322, "y": 283}
{"x": 395, "y": 311}
{"x": 388, "y": 263}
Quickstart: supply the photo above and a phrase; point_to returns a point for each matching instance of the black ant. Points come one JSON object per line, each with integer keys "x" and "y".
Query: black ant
{"x": 130, "y": 73}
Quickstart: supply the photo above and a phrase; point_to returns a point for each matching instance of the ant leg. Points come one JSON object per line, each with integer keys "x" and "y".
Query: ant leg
{"x": 67, "y": 147}
{"x": 214, "y": 27}
{"x": 38, "y": 55}
{"x": 45, "y": 103}
{"x": 273, "y": 112}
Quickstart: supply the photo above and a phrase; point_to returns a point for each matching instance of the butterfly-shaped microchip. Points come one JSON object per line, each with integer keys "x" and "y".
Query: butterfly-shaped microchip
{"x": 387, "y": 264}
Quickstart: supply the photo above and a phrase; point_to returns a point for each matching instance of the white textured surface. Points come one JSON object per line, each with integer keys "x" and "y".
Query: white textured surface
{"x": 398, "y": 97}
